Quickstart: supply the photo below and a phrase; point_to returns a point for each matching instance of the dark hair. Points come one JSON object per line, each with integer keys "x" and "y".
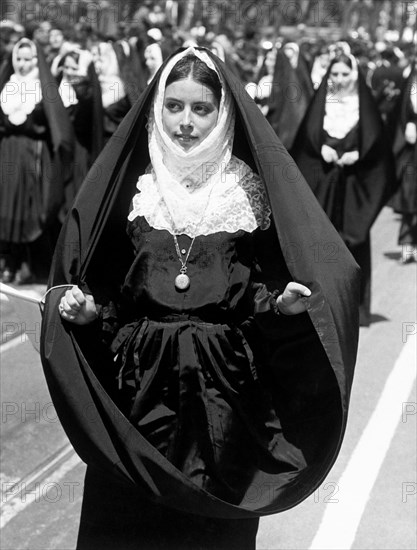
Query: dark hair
{"x": 74, "y": 55}
{"x": 342, "y": 58}
{"x": 190, "y": 65}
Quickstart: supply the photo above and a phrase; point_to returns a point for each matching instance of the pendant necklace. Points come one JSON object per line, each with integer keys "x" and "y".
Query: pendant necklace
{"x": 182, "y": 281}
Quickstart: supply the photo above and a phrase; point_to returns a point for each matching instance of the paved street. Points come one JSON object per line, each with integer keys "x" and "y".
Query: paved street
{"x": 368, "y": 500}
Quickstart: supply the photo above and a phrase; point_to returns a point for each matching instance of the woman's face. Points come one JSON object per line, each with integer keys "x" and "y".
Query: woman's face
{"x": 152, "y": 60}
{"x": 341, "y": 76}
{"x": 270, "y": 60}
{"x": 56, "y": 39}
{"x": 24, "y": 60}
{"x": 189, "y": 113}
{"x": 70, "y": 69}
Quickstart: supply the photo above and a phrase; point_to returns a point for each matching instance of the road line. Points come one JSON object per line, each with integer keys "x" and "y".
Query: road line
{"x": 14, "y": 342}
{"x": 44, "y": 467}
{"x": 341, "y": 519}
{"x": 35, "y": 486}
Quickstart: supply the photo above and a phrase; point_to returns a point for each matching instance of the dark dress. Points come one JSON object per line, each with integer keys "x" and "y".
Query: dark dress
{"x": 36, "y": 162}
{"x": 187, "y": 376}
{"x": 25, "y": 158}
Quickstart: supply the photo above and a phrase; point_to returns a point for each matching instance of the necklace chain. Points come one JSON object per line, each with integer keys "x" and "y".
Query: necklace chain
{"x": 182, "y": 281}
{"x": 183, "y": 262}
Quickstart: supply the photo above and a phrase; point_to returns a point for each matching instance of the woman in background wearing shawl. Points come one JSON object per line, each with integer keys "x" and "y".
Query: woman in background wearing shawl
{"x": 35, "y": 151}
{"x": 291, "y": 93}
{"x": 153, "y": 60}
{"x": 80, "y": 93}
{"x": 405, "y": 151}
{"x": 343, "y": 153}
{"x": 283, "y": 92}
{"x": 115, "y": 91}
{"x": 224, "y": 394}
{"x": 261, "y": 91}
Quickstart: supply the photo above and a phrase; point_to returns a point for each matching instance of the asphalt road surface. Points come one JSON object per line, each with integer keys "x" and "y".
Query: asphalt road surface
{"x": 368, "y": 500}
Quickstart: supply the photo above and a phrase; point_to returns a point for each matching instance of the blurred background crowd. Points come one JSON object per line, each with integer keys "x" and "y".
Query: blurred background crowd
{"x": 70, "y": 71}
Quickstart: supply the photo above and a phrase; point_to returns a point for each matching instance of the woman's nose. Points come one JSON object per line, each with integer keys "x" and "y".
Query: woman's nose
{"x": 186, "y": 119}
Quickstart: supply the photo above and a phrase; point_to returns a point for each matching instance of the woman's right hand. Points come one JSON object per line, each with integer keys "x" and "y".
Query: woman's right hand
{"x": 329, "y": 155}
{"x": 77, "y": 307}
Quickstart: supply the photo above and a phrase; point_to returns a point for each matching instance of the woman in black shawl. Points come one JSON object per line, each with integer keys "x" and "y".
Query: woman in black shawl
{"x": 36, "y": 142}
{"x": 405, "y": 151}
{"x": 291, "y": 93}
{"x": 342, "y": 151}
{"x": 80, "y": 93}
{"x": 117, "y": 82}
{"x": 232, "y": 344}
{"x": 283, "y": 91}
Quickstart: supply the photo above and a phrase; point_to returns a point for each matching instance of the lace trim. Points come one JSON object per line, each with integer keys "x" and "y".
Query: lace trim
{"x": 241, "y": 204}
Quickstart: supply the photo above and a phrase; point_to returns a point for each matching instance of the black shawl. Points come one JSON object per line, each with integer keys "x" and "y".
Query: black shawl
{"x": 313, "y": 372}
{"x": 290, "y": 97}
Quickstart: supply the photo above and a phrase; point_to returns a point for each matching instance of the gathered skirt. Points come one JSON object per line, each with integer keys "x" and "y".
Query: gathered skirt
{"x": 191, "y": 388}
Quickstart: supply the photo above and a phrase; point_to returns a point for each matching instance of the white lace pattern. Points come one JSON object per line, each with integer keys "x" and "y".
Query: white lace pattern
{"x": 238, "y": 202}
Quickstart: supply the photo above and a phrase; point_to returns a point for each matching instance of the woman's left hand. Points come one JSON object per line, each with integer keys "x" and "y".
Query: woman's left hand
{"x": 348, "y": 158}
{"x": 294, "y": 299}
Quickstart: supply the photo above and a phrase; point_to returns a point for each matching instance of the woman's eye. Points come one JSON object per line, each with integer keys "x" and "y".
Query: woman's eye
{"x": 173, "y": 107}
{"x": 201, "y": 109}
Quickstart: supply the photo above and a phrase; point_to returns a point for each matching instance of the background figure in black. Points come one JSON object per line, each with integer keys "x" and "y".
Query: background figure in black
{"x": 405, "y": 151}
{"x": 386, "y": 81}
{"x": 35, "y": 146}
{"x": 80, "y": 93}
{"x": 291, "y": 94}
{"x": 114, "y": 89}
{"x": 343, "y": 153}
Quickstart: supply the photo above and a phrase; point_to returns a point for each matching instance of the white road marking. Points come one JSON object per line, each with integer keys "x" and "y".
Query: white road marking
{"x": 14, "y": 342}
{"x": 35, "y": 487}
{"x": 341, "y": 520}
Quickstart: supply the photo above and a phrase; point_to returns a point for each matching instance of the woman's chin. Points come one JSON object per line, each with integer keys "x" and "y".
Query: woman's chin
{"x": 187, "y": 145}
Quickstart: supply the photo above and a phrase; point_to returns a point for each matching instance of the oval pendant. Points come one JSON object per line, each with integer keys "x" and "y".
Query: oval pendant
{"x": 182, "y": 281}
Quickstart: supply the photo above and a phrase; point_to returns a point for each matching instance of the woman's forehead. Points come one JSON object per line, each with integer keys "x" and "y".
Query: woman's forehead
{"x": 25, "y": 51}
{"x": 189, "y": 89}
{"x": 340, "y": 67}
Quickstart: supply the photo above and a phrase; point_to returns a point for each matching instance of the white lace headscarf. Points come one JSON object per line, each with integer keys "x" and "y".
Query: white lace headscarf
{"x": 21, "y": 93}
{"x": 202, "y": 190}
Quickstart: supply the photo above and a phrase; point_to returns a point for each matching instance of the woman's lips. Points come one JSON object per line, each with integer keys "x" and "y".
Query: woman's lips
{"x": 186, "y": 137}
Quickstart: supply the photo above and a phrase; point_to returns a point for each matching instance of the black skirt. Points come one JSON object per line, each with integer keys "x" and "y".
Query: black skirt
{"x": 114, "y": 517}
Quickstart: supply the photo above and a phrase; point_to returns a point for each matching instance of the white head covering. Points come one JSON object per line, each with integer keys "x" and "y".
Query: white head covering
{"x": 190, "y": 191}
{"x": 295, "y": 57}
{"x": 21, "y": 93}
{"x": 107, "y": 66}
{"x": 66, "y": 89}
{"x": 154, "y": 49}
{"x": 342, "y": 109}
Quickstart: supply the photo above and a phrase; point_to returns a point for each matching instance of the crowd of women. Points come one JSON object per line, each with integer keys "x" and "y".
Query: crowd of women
{"x": 347, "y": 116}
